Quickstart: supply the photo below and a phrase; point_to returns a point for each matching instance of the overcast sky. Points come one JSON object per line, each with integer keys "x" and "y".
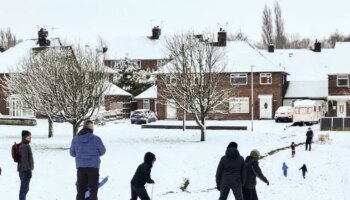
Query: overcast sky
{"x": 86, "y": 19}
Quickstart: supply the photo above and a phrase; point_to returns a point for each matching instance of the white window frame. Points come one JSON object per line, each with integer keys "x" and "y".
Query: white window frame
{"x": 343, "y": 77}
{"x": 146, "y": 102}
{"x": 266, "y": 75}
{"x": 239, "y": 75}
{"x": 239, "y": 101}
{"x": 171, "y": 79}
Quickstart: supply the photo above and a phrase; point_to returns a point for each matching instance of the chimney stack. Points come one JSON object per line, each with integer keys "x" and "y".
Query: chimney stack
{"x": 156, "y": 32}
{"x": 271, "y": 48}
{"x": 104, "y": 49}
{"x": 222, "y": 38}
{"x": 317, "y": 47}
{"x": 42, "y": 35}
{"x": 2, "y": 49}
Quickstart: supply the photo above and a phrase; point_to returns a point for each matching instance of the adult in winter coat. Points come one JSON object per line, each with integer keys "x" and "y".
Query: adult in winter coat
{"x": 141, "y": 177}
{"x": 230, "y": 174}
{"x": 25, "y": 164}
{"x": 253, "y": 171}
{"x": 309, "y": 136}
{"x": 87, "y": 149}
{"x": 284, "y": 169}
{"x": 304, "y": 170}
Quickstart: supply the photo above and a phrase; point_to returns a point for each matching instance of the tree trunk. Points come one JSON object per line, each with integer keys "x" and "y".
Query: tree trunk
{"x": 203, "y": 129}
{"x": 75, "y": 128}
{"x": 50, "y": 127}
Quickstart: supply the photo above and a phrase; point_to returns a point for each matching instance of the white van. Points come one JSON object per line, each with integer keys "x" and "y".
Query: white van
{"x": 308, "y": 111}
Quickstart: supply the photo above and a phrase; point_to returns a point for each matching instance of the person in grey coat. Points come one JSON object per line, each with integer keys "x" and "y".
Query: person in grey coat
{"x": 25, "y": 164}
{"x": 253, "y": 171}
{"x": 230, "y": 174}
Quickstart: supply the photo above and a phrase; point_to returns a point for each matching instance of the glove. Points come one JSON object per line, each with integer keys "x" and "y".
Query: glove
{"x": 268, "y": 183}
{"x": 218, "y": 187}
{"x": 151, "y": 182}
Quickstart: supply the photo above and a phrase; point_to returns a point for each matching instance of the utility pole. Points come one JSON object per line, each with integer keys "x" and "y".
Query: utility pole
{"x": 252, "y": 97}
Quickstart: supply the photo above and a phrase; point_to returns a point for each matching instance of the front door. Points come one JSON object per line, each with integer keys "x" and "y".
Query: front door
{"x": 266, "y": 108}
{"x": 341, "y": 109}
{"x": 171, "y": 109}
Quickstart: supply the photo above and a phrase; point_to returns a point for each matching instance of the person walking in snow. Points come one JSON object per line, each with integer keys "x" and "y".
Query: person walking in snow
{"x": 253, "y": 171}
{"x": 284, "y": 168}
{"x": 87, "y": 149}
{"x": 292, "y": 147}
{"x": 141, "y": 177}
{"x": 309, "y": 136}
{"x": 230, "y": 173}
{"x": 304, "y": 170}
{"x": 25, "y": 164}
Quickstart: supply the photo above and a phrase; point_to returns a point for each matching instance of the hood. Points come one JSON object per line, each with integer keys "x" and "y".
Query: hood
{"x": 85, "y": 138}
{"x": 232, "y": 153}
{"x": 149, "y": 158}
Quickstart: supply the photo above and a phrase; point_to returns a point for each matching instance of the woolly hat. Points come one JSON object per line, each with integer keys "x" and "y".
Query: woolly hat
{"x": 255, "y": 154}
{"x": 25, "y": 133}
{"x": 233, "y": 145}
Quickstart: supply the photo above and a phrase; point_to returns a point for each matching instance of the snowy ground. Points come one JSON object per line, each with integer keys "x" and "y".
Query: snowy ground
{"x": 180, "y": 155}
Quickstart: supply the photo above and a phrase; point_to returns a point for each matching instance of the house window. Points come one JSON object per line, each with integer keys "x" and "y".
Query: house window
{"x": 146, "y": 104}
{"x": 342, "y": 80}
{"x": 238, "y": 79}
{"x": 195, "y": 80}
{"x": 239, "y": 105}
{"x": 170, "y": 80}
{"x": 265, "y": 78}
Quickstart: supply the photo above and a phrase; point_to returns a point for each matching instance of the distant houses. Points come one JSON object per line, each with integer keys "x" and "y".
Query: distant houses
{"x": 280, "y": 76}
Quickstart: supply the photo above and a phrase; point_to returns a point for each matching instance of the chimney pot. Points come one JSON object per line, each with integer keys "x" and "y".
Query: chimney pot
{"x": 271, "y": 48}
{"x": 222, "y": 38}
{"x": 42, "y": 38}
{"x": 156, "y": 32}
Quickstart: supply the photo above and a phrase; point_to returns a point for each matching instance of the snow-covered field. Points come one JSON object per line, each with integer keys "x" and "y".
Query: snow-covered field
{"x": 179, "y": 156}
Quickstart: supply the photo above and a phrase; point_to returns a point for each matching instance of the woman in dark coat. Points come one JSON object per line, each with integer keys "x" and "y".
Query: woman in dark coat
{"x": 253, "y": 171}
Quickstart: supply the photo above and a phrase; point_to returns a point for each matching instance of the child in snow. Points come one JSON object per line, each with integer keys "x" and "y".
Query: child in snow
{"x": 304, "y": 170}
{"x": 292, "y": 147}
{"x": 141, "y": 177}
{"x": 284, "y": 168}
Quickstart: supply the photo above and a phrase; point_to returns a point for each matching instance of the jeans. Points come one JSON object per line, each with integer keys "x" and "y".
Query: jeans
{"x": 87, "y": 178}
{"x": 25, "y": 180}
{"x": 139, "y": 192}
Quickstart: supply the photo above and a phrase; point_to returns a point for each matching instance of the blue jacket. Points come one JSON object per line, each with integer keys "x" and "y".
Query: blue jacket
{"x": 284, "y": 167}
{"x": 87, "y": 149}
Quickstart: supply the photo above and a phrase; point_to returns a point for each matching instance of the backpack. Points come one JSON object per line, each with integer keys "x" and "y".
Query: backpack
{"x": 15, "y": 152}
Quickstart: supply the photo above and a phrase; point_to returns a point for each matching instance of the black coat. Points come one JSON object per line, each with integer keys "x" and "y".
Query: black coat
{"x": 26, "y": 161}
{"x": 231, "y": 169}
{"x": 143, "y": 172}
{"x": 253, "y": 171}
{"x": 309, "y": 135}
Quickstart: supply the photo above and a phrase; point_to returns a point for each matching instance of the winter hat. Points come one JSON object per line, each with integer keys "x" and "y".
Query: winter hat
{"x": 255, "y": 154}
{"x": 25, "y": 133}
{"x": 233, "y": 145}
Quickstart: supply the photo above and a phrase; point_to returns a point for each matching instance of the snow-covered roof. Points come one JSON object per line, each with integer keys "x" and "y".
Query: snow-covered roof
{"x": 309, "y": 65}
{"x": 115, "y": 90}
{"x": 150, "y": 93}
{"x": 307, "y": 89}
{"x": 14, "y": 55}
{"x": 136, "y": 48}
{"x": 341, "y": 58}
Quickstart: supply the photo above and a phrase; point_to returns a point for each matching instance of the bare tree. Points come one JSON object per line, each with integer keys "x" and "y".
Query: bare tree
{"x": 67, "y": 80}
{"x": 295, "y": 41}
{"x": 267, "y": 28}
{"x": 280, "y": 37}
{"x": 8, "y": 39}
{"x": 239, "y": 35}
{"x": 191, "y": 80}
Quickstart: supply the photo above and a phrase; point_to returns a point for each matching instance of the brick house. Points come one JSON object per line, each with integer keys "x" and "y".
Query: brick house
{"x": 269, "y": 82}
{"x": 339, "y": 81}
{"x": 147, "y": 99}
{"x": 147, "y": 51}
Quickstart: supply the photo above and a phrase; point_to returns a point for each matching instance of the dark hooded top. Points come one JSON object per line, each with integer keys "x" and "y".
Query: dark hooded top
{"x": 309, "y": 135}
{"x": 143, "y": 172}
{"x": 26, "y": 161}
{"x": 253, "y": 171}
{"x": 231, "y": 169}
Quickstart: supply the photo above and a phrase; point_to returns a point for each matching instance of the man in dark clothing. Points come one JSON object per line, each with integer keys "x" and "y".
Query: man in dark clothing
{"x": 309, "y": 136}
{"x": 253, "y": 171}
{"x": 141, "y": 177}
{"x": 25, "y": 164}
{"x": 87, "y": 149}
{"x": 230, "y": 174}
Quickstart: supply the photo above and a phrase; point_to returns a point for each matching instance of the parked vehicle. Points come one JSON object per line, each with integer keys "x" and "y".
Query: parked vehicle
{"x": 58, "y": 118}
{"x": 308, "y": 111}
{"x": 284, "y": 114}
{"x": 143, "y": 116}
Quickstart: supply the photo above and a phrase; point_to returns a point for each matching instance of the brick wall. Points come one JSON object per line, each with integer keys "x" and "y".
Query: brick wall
{"x": 332, "y": 86}
{"x": 112, "y": 101}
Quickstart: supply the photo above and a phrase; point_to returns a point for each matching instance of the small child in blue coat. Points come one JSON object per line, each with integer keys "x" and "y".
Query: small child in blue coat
{"x": 284, "y": 168}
